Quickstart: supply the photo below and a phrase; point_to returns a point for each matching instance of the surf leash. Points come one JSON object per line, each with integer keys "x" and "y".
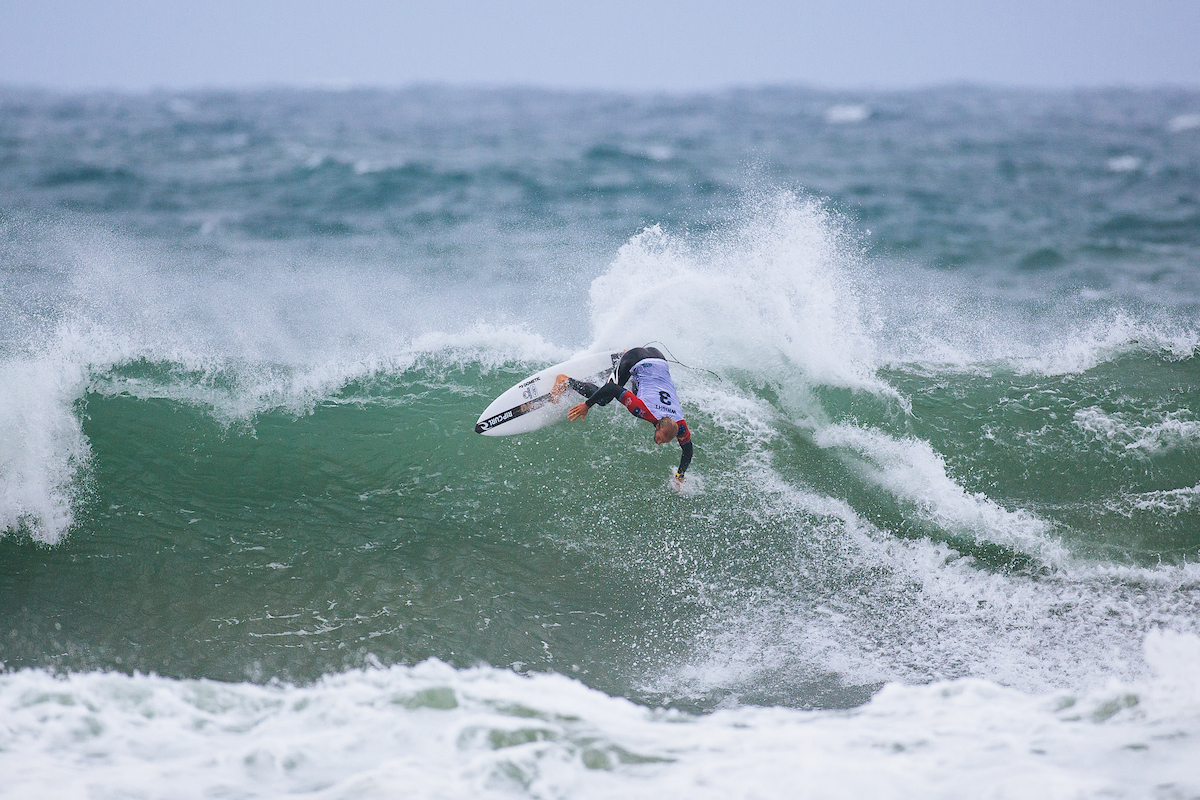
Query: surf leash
{"x": 674, "y": 360}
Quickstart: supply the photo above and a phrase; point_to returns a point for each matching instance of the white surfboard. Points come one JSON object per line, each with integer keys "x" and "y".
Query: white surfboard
{"x": 527, "y": 406}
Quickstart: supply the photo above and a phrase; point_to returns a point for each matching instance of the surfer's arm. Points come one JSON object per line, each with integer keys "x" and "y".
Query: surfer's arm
{"x": 610, "y": 390}
{"x": 595, "y": 396}
{"x": 685, "y": 459}
{"x": 592, "y": 394}
{"x": 685, "y": 444}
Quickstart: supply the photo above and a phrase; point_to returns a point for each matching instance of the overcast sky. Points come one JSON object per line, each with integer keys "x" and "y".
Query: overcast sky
{"x": 674, "y": 45}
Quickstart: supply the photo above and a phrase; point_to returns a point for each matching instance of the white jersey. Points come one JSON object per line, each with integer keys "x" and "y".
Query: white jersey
{"x": 652, "y": 384}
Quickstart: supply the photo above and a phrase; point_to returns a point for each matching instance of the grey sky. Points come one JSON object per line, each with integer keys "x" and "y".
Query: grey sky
{"x": 139, "y": 44}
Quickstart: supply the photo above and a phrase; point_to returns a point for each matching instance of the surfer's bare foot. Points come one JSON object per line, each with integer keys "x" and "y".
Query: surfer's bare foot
{"x": 560, "y": 386}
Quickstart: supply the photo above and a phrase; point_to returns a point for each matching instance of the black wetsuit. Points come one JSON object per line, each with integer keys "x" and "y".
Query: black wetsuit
{"x": 661, "y": 395}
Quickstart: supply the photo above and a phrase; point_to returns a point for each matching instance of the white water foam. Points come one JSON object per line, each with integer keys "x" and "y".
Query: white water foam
{"x": 1170, "y": 502}
{"x": 432, "y": 731}
{"x": 1144, "y": 434}
{"x": 815, "y": 615}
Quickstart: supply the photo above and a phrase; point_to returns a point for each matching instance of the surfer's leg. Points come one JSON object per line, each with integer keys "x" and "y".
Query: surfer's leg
{"x": 563, "y": 382}
{"x": 583, "y": 387}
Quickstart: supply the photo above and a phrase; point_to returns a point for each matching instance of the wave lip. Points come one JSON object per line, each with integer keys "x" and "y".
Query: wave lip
{"x": 911, "y": 470}
{"x": 43, "y": 449}
{"x": 45, "y": 454}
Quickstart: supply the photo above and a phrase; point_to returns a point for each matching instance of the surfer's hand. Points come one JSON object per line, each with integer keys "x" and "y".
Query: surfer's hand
{"x": 560, "y": 386}
{"x": 578, "y": 411}
{"x": 677, "y": 482}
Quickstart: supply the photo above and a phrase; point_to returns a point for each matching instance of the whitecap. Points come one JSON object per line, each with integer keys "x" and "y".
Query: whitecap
{"x": 1184, "y": 122}
{"x": 1125, "y": 163}
{"x": 847, "y": 114}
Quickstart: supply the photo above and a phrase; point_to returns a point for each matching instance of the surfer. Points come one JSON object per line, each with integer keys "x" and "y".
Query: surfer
{"x": 653, "y": 399}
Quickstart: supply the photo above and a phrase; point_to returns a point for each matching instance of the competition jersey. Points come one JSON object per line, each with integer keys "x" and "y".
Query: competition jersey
{"x": 653, "y": 386}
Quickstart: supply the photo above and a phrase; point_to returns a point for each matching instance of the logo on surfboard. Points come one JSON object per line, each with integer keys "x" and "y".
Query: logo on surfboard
{"x": 496, "y": 420}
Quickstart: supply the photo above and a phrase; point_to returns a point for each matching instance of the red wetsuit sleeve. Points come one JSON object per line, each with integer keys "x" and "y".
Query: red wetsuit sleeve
{"x": 637, "y": 407}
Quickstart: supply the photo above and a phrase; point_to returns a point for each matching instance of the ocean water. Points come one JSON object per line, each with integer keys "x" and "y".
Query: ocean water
{"x": 940, "y": 351}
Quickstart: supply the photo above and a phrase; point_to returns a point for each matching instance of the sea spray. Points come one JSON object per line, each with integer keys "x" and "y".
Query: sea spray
{"x": 770, "y": 294}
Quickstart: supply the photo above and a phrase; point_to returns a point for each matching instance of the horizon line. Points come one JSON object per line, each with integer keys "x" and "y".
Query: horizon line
{"x": 336, "y": 86}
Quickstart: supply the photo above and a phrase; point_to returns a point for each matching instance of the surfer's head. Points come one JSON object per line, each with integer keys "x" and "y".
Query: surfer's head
{"x": 665, "y": 430}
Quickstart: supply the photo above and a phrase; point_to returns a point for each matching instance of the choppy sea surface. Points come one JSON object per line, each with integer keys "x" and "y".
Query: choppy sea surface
{"x": 941, "y": 537}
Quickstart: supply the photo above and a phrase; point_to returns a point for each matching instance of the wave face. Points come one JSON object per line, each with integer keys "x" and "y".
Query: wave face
{"x": 940, "y": 360}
